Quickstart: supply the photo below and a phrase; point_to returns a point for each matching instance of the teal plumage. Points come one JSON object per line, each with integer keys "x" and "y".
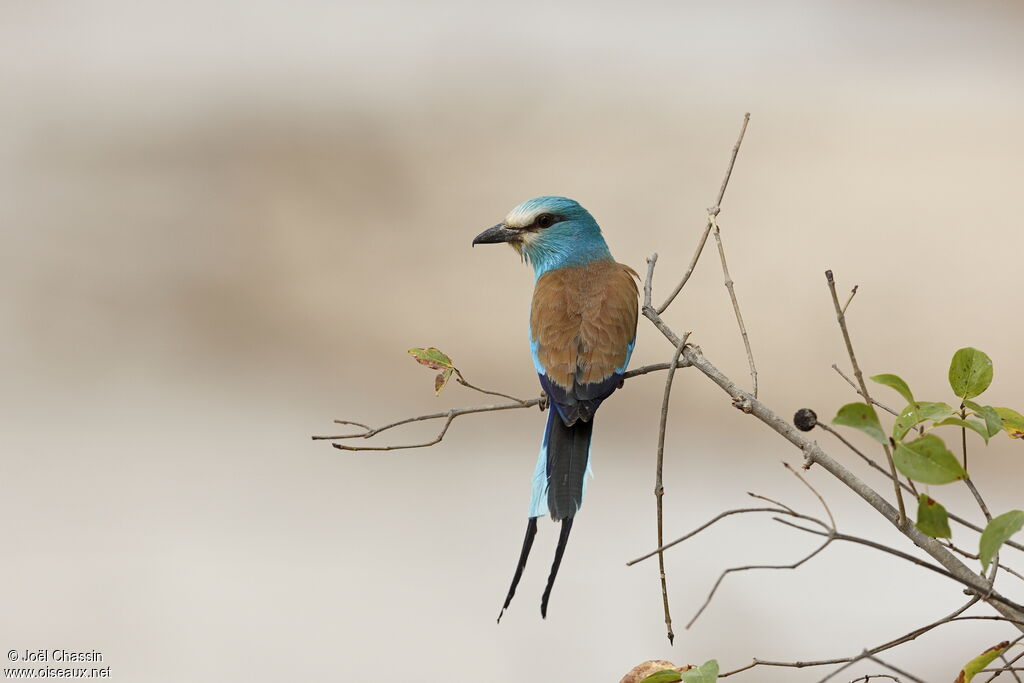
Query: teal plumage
{"x": 582, "y": 332}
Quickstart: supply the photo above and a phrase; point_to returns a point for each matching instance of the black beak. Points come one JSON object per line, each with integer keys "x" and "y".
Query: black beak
{"x": 499, "y": 233}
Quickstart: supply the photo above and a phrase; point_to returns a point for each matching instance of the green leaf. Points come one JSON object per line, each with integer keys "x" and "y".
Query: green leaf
{"x": 663, "y": 676}
{"x": 705, "y": 673}
{"x": 861, "y": 416}
{"x": 916, "y": 413}
{"x": 1012, "y": 421}
{"x": 932, "y": 518}
{"x": 992, "y": 422}
{"x": 997, "y": 532}
{"x": 431, "y": 357}
{"x": 896, "y": 383}
{"x": 928, "y": 461}
{"x": 969, "y": 424}
{"x": 970, "y": 372}
{"x": 437, "y": 360}
{"x": 974, "y": 667}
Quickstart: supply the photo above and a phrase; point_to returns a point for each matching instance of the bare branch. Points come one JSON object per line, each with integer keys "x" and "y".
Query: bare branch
{"x": 813, "y": 453}
{"x": 868, "y": 656}
{"x": 870, "y": 652}
{"x": 831, "y": 519}
{"x": 450, "y": 415}
{"x": 712, "y": 213}
{"x": 702, "y": 527}
{"x": 730, "y": 570}
{"x": 736, "y": 307}
{"x": 659, "y": 489}
{"x": 902, "y": 520}
{"x": 831, "y": 527}
{"x": 877, "y": 546}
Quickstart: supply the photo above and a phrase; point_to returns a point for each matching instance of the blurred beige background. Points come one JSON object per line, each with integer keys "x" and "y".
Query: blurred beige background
{"x": 223, "y": 223}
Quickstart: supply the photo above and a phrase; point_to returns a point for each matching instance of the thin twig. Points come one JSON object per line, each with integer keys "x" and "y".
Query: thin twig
{"x": 831, "y": 519}
{"x": 730, "y": 570}
{"x": 978, "y": 498}
{"x": 462, "y": 380}
{"x": 831, "y": 529}
{"x": 450, "y": 415}
{"x": 659, "y": 489}
{"x": 878, "y": 546}
{"x": 902, "y": 520}
{"x": 870, "y": 657}
{"x": 736, "y": 307}
{"x": 967, "y": 480}
{"x": 1008, "y": 665}
{"x": 888, "y": 645}
{"x": 712, "y": 212}
{"x": 853, "y": 293}
{"x": 702, "y": 527}
{"x": 852, "y": 384}
{"x": 771, "y": 500}
{"x": 964, "y": 553}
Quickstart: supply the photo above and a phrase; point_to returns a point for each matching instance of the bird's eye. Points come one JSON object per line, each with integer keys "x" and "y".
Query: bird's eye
{"x": 545, "y": 220}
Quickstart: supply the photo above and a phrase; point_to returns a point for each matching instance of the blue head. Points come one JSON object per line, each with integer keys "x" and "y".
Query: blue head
{"x": 550, "y": 233}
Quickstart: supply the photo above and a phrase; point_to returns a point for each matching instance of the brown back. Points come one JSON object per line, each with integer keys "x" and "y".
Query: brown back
{"x": 583, "y": 319}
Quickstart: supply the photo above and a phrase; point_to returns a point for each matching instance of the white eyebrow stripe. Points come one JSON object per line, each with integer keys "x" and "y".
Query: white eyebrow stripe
{"x": 519, "y": 218}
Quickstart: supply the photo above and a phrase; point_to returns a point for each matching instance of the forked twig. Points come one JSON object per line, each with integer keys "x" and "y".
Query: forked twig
{"x": 854, "y": 385}
{"x": 450, "y": 415}
{"x": 736, "y": 308}
{"x": 712, "y": 213}
{"x": 841, "y": 317}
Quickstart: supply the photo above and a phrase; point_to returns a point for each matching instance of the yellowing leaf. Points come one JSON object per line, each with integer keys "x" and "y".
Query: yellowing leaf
{"x": 973, "y": 667}
{"x": 1013, "y": 422}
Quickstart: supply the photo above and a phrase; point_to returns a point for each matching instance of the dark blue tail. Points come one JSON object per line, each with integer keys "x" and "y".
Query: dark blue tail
{"x": 558, "y": 485}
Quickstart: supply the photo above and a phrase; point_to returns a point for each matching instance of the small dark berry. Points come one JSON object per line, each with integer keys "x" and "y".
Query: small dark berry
{"x": 805, "y": 419}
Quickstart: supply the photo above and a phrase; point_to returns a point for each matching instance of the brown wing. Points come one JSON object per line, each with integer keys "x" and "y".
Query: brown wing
{"x": 583, "y": 322}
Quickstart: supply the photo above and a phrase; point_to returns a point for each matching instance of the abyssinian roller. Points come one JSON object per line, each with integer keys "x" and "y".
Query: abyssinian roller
{"x": 582, "y": 332}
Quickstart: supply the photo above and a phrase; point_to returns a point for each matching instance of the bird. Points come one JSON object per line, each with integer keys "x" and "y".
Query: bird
{"x": 583, "y": 320}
